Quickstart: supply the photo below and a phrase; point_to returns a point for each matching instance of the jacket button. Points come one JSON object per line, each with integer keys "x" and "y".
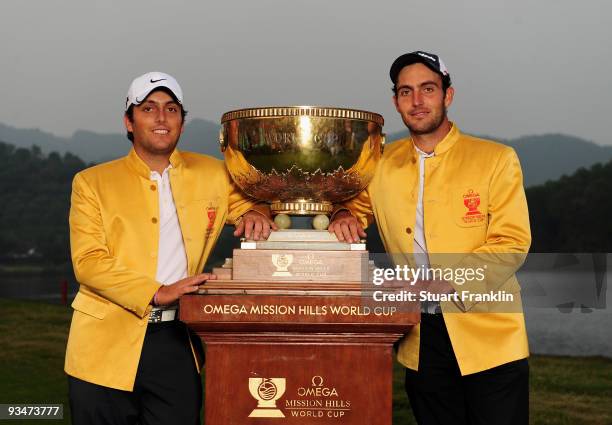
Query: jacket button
{"x": 408, "y": 230}
{"x": 154, "y": 220}
{"x": 153, "y": 187}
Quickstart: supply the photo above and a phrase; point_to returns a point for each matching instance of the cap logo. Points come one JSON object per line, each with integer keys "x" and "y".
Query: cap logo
{"x": 143, "y": 85}
{"x": 426, "y": 56}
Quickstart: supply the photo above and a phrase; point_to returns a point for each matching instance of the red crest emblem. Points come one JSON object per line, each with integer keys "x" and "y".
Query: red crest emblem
{"x": 471, "y": 200}
{"x": 211, "y": 212}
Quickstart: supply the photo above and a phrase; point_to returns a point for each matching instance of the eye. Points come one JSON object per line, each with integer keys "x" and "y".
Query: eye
{"x": 147, "y": 108}
{"x": 429, "y": 89}
{"x": 172, "y": 109}
{"x": 404, "y": 92}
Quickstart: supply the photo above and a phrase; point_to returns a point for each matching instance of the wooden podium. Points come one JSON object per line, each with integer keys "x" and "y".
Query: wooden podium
{"x": 295, "y": 352}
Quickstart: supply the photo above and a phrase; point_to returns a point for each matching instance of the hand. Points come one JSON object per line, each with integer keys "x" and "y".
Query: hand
{"x": 347, "y": 227}
{"x": 168, "y": 294}
{"x": 255, "y": 226}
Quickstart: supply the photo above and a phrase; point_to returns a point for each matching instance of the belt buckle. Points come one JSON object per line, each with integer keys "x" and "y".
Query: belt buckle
{"x": 155, "y": 316}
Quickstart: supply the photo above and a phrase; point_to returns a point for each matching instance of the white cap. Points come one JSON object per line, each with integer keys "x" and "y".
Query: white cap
{"x": 145, "y": 84}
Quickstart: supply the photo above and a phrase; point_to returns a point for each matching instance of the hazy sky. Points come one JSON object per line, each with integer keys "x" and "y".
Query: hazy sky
{"x": 519, "y": 67}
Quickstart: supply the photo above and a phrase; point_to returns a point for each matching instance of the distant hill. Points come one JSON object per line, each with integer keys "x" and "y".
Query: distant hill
{"x": 549, "y": 156}
{"x": 199, "y": 136}
{"x": 572, "y": 214}
{"x": 34, "y": 200}
{"x": 545, "y": 157}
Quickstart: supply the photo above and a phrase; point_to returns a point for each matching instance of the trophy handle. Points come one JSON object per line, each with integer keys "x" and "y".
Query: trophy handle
{"x": 383, "y": 139}
{"x": 222, "y": 141}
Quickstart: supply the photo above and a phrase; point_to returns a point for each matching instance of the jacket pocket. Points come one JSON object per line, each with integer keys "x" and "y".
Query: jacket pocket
{"x": 90, "y": 305}
{"x": 470, "y": 206}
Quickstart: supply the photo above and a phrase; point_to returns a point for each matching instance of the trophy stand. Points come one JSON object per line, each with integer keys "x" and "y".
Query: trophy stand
{"x": 291, "y": 337}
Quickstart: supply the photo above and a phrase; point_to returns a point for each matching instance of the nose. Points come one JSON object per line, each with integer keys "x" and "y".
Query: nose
{"x": 161, "y": 115}
{"x": 417, "y": 98}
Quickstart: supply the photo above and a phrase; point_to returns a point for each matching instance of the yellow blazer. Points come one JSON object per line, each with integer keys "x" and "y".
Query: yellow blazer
{"x": 114, "y": 235}
{"x": 483, "y": 334}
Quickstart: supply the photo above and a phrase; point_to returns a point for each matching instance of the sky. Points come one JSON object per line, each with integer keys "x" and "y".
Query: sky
{"x": 518, "y": 67}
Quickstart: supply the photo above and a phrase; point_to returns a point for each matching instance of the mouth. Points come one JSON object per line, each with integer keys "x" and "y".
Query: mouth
{"x": 162, "y": 131}
{"x": 419, "y": 114}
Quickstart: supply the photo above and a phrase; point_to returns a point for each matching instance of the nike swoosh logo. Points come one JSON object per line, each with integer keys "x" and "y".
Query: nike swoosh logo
{"x": 156, "y": 81}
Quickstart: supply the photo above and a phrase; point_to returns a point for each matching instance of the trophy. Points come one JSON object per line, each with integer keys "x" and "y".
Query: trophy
{"x": 283, "y": 311}
{"x": 301, "y": 160}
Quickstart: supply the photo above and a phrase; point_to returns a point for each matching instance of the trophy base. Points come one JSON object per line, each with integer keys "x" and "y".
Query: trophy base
{"x": 304, "y": 240}
{"x": 301, "y": 207}
{"x": 298, "y": 256}
{"x": 270, "y": 265}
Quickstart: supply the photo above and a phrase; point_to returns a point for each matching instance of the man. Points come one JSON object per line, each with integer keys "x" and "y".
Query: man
{"x": 442, "y": 197}
{"x": 141, "y": 229}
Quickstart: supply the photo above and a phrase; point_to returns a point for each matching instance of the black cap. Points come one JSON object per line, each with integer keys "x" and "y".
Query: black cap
{"x": 430, "y": 60}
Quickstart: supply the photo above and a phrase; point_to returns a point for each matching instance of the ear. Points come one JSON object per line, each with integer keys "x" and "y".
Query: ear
{"x": 128, "y": 124}
{"x": 448, "y": 99}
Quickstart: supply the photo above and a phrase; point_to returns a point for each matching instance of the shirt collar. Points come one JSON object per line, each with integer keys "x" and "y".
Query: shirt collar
{"x": 445, "y": 144}
{"x": 165, "y": 172}
{"x": 423, "y": 153}
{"x": 142, "y": 169}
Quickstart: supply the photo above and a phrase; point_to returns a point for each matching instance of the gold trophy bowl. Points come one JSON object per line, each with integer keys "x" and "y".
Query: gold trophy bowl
{"x": 301, "y": 159}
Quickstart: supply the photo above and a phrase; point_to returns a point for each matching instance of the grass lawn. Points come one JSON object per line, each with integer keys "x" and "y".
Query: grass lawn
{"x": 564, "y": 390}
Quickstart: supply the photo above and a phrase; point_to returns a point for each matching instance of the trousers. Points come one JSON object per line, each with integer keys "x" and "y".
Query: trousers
{"x": 439, "y": 395}
{"x": 167, "y": 390}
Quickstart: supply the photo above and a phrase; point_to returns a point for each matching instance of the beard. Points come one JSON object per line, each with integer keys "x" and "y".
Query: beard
{"x": 428, "y": 126}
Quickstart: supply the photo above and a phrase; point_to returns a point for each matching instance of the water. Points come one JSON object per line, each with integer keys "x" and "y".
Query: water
{"x": 568, "y": 304}
{"x": 573, "y": 334}
{"x": 45, "y": 288}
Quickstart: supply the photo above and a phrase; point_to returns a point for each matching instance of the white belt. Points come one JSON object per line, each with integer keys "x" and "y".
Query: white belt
{"x": 159, "y": 315}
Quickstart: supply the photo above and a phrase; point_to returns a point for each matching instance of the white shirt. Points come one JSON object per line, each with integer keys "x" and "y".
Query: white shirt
{"x": 171, "y": 255}
{"x": 421, "y": 256}
{"x": 420, "y": 244}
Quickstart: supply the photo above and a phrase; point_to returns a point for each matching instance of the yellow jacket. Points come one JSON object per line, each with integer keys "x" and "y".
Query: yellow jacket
{"x": 114, "y": 234}
{"x": 464, "y": 169}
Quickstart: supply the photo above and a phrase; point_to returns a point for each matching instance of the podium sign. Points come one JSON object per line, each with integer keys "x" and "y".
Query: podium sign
{"x": 288, "y": 353}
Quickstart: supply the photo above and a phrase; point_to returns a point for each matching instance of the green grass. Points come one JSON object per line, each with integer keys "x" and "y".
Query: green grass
{"x": 564, "y": 390}
{"x": 32, "y": 346}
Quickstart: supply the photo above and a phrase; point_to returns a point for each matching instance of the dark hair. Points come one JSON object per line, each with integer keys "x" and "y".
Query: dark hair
{"x": 130, "y": 111}
{"x": 446, "y": 83}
